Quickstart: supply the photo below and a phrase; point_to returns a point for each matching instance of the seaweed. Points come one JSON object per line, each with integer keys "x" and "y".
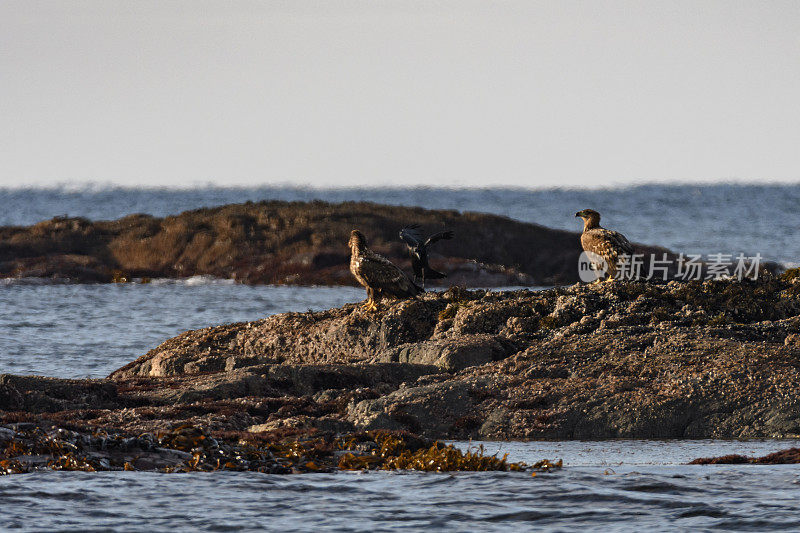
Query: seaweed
{"x": 550, "y": 322}
{"x": 449, "y": 311}
{"x": 118, "y": 276}
{"x": 791, "y": 274}
{"x": 394, "y": 452}
{"x": 188, "y": 448}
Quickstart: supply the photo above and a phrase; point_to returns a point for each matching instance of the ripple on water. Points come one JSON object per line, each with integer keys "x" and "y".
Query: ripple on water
{"x": 702, "y": 219}
{"x": 81, "y": 331}
{"x": 675, "y": 497}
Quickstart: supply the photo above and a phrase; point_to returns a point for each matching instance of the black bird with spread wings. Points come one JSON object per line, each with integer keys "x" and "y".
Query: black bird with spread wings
{"x": 418, "y": 249}
{"x": 377, "y": 274}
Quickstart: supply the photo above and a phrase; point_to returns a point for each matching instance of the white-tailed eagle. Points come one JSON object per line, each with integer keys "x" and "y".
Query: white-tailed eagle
{"x": 609, "y": 247}
{"x": 377, "y": 274}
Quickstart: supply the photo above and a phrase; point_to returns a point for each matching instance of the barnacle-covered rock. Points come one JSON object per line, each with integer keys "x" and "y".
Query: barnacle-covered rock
{"x": 705, "y": 359}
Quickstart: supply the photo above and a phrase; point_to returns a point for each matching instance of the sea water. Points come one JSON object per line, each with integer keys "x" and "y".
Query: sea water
{"x": 728, "y": 219}
{"x": 654, "y": 493}
{"x": 89, "y": 330}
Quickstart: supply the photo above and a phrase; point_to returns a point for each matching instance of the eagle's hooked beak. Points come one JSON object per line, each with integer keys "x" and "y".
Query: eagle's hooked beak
{"x": 579, "y": 213}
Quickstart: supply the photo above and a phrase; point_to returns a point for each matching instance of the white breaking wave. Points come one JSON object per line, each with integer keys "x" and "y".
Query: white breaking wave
{"x": 203, "y": 279}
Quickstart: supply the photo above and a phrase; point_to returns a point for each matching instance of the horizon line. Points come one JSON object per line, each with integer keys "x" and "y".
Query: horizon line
{"x": 98, "y": 186}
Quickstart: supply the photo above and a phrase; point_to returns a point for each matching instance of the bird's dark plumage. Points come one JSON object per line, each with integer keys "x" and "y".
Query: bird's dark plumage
{"x": 610, "y": 245}
{"x": 377, "y": 274}
{"x": 418, "y": 249}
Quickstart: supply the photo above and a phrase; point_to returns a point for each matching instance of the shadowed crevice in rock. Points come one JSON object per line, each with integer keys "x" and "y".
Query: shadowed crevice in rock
{"x": 452, "y": 355}
{"x": 43, "y": 394}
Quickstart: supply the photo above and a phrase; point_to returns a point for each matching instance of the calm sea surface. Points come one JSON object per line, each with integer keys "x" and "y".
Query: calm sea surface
{"x": 651, "y": 493}
{"x": 82, "y": 331}
{"x": 89, "y": 330}
{"x": 733, "y": 219}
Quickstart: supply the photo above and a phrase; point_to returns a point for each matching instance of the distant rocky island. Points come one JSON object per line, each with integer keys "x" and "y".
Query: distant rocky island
{"x": 712, "y": 359}
{"x": 277, "y": 242}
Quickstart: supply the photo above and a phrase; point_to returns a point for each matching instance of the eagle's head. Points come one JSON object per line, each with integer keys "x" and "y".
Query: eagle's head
{"x": 357, "y": 240}
{"x": 591, "y": 218}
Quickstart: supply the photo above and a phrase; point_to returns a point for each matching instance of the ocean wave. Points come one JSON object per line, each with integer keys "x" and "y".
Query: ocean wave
{"x": 202, "y": 279}
{"x": 35, "y": 281}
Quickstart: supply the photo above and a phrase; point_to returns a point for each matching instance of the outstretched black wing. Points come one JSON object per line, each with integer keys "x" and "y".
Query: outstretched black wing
{"x": 411, "y": 235}
{"x": 446, "y": 235}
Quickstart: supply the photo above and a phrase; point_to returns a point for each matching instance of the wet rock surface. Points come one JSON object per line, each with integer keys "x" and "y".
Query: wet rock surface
{"x": 782, "y": 457}
{"x": 708, "y": 359}
{"x": 285, "y": 243}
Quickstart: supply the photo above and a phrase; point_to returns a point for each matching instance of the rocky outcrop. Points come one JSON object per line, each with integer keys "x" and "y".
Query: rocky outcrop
{"x": 285, "y": 242}
{"x": 711, "y": 359}
{"x": 782, "y": 457}
{"x": 41, "y": 394}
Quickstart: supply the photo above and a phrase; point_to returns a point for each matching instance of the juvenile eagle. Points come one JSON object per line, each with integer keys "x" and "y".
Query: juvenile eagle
{"x": 377, "y": 274}
{"x": 418, "y": 249}
{"x": 611, "y": 246}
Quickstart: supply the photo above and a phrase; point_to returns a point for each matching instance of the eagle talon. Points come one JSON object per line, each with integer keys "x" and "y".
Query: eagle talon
{"x": 370, "y": 306}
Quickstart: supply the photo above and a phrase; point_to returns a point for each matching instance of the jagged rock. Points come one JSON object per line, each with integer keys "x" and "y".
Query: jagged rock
{"x": 299, "y": 380}
{"x": 451, "y": 355}
{"x": 340, "y": 335}
{"x": 427, "y": 410}
{"x": 6, "y": 434}
{"x": 326, "y": 424}
{"x": 715, "y": 359}
{"x": 42, "y": 394}
{"x": 10, "y": 398}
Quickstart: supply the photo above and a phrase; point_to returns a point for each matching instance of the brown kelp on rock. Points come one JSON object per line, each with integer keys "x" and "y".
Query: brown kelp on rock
{"x": 30, "y": 447}
{"x": 387, "y": 450}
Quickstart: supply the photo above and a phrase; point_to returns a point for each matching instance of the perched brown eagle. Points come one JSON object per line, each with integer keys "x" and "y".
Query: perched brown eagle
{"x": 377, "y": 274}
{"x": 609, "y": 245}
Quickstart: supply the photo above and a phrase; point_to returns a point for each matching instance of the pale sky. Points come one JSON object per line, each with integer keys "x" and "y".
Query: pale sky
{"x": 472, "y": 93}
